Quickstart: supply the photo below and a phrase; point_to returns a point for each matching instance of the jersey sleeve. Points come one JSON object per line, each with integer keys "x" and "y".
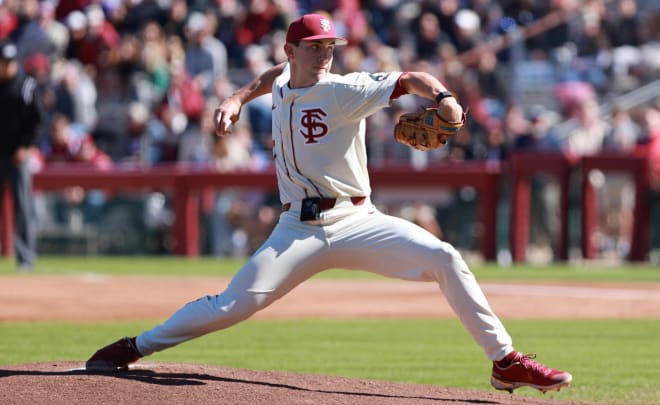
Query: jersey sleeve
{"x": 282, "y": 79}
{"x": 362, "y": 94}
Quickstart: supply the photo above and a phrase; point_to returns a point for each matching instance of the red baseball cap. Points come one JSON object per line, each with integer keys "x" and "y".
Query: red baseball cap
{"x": 311, "y": 27}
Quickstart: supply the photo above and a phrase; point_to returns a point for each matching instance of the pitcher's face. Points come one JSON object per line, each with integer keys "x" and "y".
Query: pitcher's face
{"x": 310, "y": 61}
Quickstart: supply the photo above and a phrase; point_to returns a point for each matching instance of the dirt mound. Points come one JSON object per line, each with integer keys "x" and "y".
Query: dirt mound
{"x": 167, "y": 383}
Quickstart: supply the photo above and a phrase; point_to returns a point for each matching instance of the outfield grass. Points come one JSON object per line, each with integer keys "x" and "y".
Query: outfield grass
{"x": 613, "y": 361}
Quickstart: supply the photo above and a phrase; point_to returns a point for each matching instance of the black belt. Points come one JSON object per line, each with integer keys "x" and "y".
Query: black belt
{"x": 327, "y": 203}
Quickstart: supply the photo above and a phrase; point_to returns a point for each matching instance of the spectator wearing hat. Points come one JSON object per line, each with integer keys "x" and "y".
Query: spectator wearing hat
{"x": 206, "y": 56}
{"x": 76, "y": 22}
{"x": 21, "y": 114}
{"x": 102, "y": 37}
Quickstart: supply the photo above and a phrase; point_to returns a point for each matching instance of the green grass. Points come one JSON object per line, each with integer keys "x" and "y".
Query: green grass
{"x": 613, "y": 361}
{"x": 205, "y": 266}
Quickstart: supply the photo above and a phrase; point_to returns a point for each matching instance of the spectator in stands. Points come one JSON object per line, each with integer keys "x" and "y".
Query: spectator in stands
{"x": 350, "y": 18}
{"x": 76, "y": 94}
{"x": 384, "y": 21}
{"x": 229, "y": 16}
{"x": 446, "y": 11}
{"x": 624, "y": 133}
{"x": 94, "y": 42}
{"x": 232, "y": 209}
{"x": 77, "y": 48}
{"x": 467, "y": 28}
{"x": 101, "y": 36}
{"x": 492, "y": 77}
{"x": 130, "y": 16}
{"x": 186, "y": 92}
{"x": 109, "y": 130}
{"x": 183, "y": 104}
{"x": 30, "y": 37}
{"x": 249, "y": 215}
{"x": 71, "y": 143}
{"x": 649, "y": 143}
{"x": 55, "y": 30}
{"x": 206, "y": 56}
{"x": 144, "y": 133}
{"x": 591, "y": 39}
{"x": 8, "y": 20}
{"x": 261, "y": 19}
{"x": 429, "y": 37}
{"x": 213, "y": 26}
{"x": 588, "y": 131}
{"x": 155, "y": 58}
{"x": 196, "y": 141}
{"x": 618, "y": 190}
{"x": 622, "y": 24}
{"x": 539, "y": 136}
{"x": 177, "y": 18}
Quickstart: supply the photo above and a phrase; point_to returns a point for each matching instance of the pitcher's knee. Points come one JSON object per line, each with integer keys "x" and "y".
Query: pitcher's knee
{"x": 239, "y": 306}
{"x": 450, "y": 260}
{"x": 448, "y": 254}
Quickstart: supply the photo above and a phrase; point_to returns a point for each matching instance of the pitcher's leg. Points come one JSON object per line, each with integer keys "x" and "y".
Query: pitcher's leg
{"x": 397, "y": 248}
{"x": 467, "y": 299}
{"x": 285, "y": 260}
{"x": 195, "y": 319}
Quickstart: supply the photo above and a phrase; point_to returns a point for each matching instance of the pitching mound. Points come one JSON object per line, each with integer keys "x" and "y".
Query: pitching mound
{"x": 166, "y": 383}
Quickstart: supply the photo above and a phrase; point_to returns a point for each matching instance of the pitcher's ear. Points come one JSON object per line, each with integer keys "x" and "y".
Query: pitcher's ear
{"x": 288, "y": 49}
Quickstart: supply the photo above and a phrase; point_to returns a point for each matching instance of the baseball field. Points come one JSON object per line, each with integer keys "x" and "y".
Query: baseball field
{"x": 340, "y": 338}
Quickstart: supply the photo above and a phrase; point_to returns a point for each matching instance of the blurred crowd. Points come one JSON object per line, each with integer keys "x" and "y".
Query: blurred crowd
{"x": 135, "y": 82}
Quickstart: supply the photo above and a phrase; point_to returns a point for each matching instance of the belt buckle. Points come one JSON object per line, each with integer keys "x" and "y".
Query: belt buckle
{"x": 310, "y": 209}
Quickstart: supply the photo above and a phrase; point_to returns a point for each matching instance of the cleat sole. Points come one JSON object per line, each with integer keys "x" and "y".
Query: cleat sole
{"x": 511, "y": 386}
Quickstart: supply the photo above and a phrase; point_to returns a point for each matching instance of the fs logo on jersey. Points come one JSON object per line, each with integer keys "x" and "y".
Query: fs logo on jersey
{"x": 378, "y": 77}
{"x": 313, "y": 125}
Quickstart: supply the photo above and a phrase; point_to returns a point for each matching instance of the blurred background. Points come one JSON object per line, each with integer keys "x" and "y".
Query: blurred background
{"x": 133, "y": 83}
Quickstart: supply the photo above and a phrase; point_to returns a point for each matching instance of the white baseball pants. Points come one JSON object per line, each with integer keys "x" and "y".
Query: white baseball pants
{"x": 347, "y": 237}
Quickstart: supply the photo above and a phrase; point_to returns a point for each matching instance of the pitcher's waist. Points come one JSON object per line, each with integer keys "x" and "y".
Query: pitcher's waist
{"x": 325, "y": 203}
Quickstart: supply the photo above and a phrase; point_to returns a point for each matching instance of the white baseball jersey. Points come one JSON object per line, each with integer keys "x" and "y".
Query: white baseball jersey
{"x": 311, "y": 160}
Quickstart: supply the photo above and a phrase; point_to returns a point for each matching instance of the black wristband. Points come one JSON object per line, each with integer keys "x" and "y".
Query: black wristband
{"x": 441, "y": 95}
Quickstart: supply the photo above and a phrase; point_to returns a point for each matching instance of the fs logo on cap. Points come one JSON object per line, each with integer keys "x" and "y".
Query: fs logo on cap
{"x": 326, "y": 25}
{"x": 313, "y": 27}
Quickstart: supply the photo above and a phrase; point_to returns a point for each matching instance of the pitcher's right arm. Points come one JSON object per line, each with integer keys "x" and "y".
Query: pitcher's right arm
{"x": 229, "y": 110}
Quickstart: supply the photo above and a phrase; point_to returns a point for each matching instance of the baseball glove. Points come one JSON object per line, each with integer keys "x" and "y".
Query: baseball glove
{"x": 425, "y": 130}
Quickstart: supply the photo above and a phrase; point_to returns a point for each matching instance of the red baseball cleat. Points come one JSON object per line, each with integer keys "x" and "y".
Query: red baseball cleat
{"x": 522, "y": 371}
{"x": 115, "y": 356}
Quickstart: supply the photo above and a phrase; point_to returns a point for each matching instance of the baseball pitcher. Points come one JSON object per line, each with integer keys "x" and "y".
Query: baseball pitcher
{"x": 328, "y": 219}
